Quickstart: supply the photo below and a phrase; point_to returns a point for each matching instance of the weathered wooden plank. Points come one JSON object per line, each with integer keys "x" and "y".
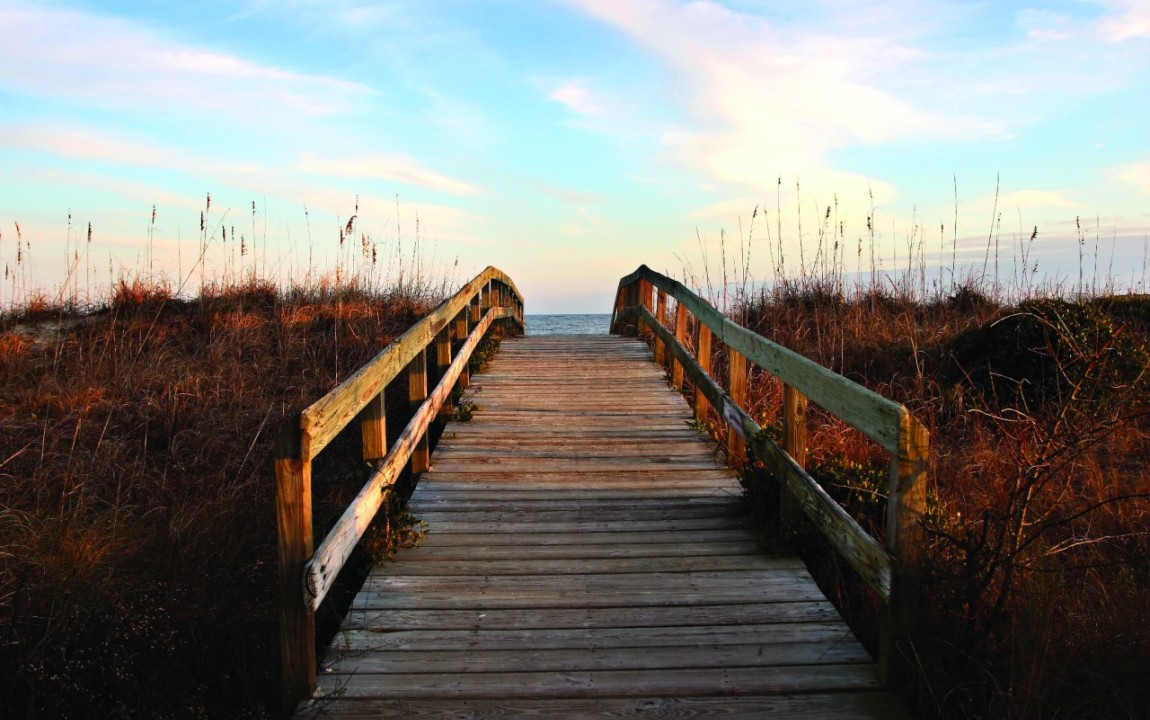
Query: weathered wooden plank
{"x": 586, "y": 526}
{"x": 539, "y": 541}
{"x": 542, "y": 659}
{"x": 442, "y": 489}
{"x": 534, "y": 551}
{"x": 809, "y": 706}
{"x": 815, "y": 633}
{"x": 570, "y": 465}
{"x": 607, "y": 683}
{"x": 623, "y": 506}
{"x": 623, "y": 616}
{"x": 574, "y": 598}
{"x": 582, "y": 567}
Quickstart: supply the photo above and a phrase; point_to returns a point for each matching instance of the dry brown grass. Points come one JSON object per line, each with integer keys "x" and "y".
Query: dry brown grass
{"x": 1039, "y": 501}
{"x": 137, "y": 523}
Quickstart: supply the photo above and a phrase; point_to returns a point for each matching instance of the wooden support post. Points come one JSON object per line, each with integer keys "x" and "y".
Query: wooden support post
{"x": 681, "y": 336}
{"x": 795, "y": 445}
{"x": 737, "y": 389}
{"x": 620, "y": 304}
{"x": 703, "y": 355}
{"x": 644, "y": 289}
{"x": 476, "y": 308}
{"x": 296, "y": 544}
{"x": 905, "y": 540}
{"x": 417, "y": 393}
{"x": 373, "y": 429}
{"x": 442, "y": 362}
{"x": 461, "y": 333}
{"x": 661, "y": 316}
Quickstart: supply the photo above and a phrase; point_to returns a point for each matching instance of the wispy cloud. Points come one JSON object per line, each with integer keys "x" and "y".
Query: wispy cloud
{"x": 577, "y": 97}
{"x": 83, "y": 143}
{"x": 387, "y": 167}
{"x": 765, "y": 100}
{"x": 104, "y": 61}
{"x": 1031, "y": 199}
{"x": 1137, "y": 174}
{"x": 1128, "y": 19}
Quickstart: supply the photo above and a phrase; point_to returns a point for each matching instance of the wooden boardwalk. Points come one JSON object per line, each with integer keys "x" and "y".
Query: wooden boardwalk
{"x": 586, "y": 557}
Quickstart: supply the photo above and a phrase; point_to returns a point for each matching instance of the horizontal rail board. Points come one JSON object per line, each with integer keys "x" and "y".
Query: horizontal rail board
{"x": 324, "y": 419}
{"x": 872, "y": 562}
{"x": 864, "y": 409}
{"x": 329, "y": 558}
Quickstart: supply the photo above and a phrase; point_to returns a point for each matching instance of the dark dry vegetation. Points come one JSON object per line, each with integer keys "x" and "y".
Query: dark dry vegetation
{"x": 1039, "y": 508}
{"x": 137, "y": 523}
{"x": 137, "y": 557}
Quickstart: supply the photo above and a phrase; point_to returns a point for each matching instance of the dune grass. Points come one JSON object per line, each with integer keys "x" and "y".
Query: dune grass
{"x": 1037, "y": 398}
{"x": 137, "y": 524}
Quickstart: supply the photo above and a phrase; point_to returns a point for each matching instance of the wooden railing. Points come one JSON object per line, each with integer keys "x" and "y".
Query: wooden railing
{"x": 891, "y": 571}
{"x": 307, "y": 575}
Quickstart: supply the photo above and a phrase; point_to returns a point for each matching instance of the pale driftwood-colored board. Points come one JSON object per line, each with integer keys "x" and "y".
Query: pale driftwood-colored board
{"x": 478, "y": 551}
{"x": 542, "y": 659}
{"x": 540, "y": 541}
{"x": 573, "y": 638}
{"x": 609, "y": 683}
{"x": 586, "y": 555}
{"x": 609, "y": 617}
{"x": 836, "y": 706}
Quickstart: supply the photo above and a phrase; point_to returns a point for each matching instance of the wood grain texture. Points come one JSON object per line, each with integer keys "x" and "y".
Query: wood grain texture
{"x": 587, "y": 556}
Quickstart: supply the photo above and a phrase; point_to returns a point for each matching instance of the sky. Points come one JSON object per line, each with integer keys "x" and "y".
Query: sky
{"x": 569, "y": 141}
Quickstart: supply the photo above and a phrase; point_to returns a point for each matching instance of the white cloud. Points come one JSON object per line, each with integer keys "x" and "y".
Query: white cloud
{"x": 387, "y": 167}
{"x": 1130, "y": 19}
{"x": 87, "y": 144}
{"x": 765, "y": 101}
{"x": 1137, "y": 174}
{"x": 1030, "y": 199}
{"x": 577, "y": 97}
{"x": 1045, "y": 25}
{"x": 109, "y": 62}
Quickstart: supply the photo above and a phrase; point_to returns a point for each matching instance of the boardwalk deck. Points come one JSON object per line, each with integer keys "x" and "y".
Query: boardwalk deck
{"x": 586, "y": 557}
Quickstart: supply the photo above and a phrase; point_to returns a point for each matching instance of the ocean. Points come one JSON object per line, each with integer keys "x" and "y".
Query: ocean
{"x": 568, "y": 324}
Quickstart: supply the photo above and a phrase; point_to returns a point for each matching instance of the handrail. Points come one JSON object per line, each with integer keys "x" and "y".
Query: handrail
{"x": 307, "y": 576}
{"x": 892, "y": 572}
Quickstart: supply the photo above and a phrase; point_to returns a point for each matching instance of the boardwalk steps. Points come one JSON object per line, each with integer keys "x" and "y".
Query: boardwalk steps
{"x": 586, "y": 557}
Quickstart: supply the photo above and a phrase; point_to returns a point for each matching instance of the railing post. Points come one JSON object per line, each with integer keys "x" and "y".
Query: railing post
{"x": 661, "y": 316}
{"x": 416, "y": 394}
{"x": 373, "y": 429}
{"x": 644, "y": 288}
{"x": 905, "y": 540}
{"x": 681, "y": 336}
{"x": 737, "y": 389}
{"x": 703, "y": 355}
{"x": 476, "y": 307}
{"x": 294, "y": 523}
{"x": 795, "y": 445}
{"x": 461, "y": 333}
{"x": 442, "y": 362}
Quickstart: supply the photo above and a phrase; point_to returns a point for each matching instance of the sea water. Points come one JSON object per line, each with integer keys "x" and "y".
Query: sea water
{"x": 568, "y": 324}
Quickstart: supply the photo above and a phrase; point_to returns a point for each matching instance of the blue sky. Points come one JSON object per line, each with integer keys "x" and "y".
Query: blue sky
{"x": 568, "y": 141}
